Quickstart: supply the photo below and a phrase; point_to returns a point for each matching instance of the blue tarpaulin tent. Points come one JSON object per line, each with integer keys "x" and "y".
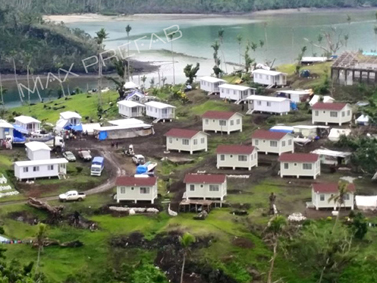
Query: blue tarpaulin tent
{"x": 77, "y": 128}
{"x": 20, "y": 129}
{"x": 141, "y": 169}
{"x": 102, "y": 135}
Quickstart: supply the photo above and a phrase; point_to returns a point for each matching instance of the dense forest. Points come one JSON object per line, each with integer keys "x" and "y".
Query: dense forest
{"x": 175, "y": 6}
{"x": 27, "y": 40}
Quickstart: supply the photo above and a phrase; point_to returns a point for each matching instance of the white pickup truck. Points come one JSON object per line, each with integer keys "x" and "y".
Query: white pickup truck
{"x": 72, "y": 196}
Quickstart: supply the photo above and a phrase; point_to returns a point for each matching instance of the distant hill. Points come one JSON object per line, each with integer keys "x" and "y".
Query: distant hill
{"x": 174, "y": 6}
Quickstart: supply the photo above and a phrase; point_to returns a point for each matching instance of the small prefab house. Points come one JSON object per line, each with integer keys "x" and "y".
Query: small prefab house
{"x": 69, "y": 120}
{"x": 268, "y": 104}
{"x": 235, "y": 92}
{"x": 138, "y": 188}
{"x": 205, "y": 186}
{"x": 33, "y": 169}
{"x": 210, "y": 84}
{"x": 128, "y": 108}
{"x": 323, "y": 192}
{"x": 269, "y": 78}
{"x": 300, "y": 165}
{"x": 222, "y": 121}
{"x": 160, "y": 111}
{"x": 186, "y": 140}
{"x": 30, "y": 124}
{"x": 335, "y": 113}
{"x": 37, "y": 150}
{"x": 236, "y": 156}
{"x": 296, "y": 96}
{"x": 272, "y": 142}
{"x": 6, "y": 129}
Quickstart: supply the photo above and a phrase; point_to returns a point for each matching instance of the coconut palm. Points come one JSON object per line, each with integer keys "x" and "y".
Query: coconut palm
{"x": 40, "y": 238}
{"x": 171, "y": 36}
{"x": 274, "y": 229}
{"x": 338, "y": 198}
{"x": 101, "y": 36}
{"x": 186, "y": 240}
{"x": 375, "y": 32}
{"x": 128, "y": 30}
{"x": 239, "y": 39}
{"x": 221, "y": 39}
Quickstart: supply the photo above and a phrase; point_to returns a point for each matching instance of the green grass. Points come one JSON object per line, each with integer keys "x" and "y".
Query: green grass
{"x": 214, "y": 105}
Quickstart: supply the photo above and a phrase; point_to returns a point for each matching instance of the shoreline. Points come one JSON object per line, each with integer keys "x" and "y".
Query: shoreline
{"x": 90, "y": 17}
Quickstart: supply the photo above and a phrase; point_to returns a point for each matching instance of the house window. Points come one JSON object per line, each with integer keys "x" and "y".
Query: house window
{"x": 273, "y": 143}
{"x": 346, "y": 197}
{"x": 290, "y": 142}
{"x": 26, "y": 169}
{"x": 333, "y": 114}
{"x": 206, "y": 120}
{"x": 213, "y": 188}
{"x": 283, "y": 143}
{"x": 50, "y": 167}
{"x": 259, "y": 102}
{"x": 122, "y": 190}
{"x": 322, "y": 197}
{"x": 268, "y": 103}
{"x": 307, "y": 166}
{"x": 185, "y": 141}
{"x": 36, "y": 168}
{"x": 202, "y": 140}
{"x": 256, "y": 142}
{"x": 348, "y": 112}
{"x": 192, "y": 188}
{"x": 238, "y": 121}
{"x": 222, "y": 122}
{"x": 222, "y": 157}
{"x": 231, "y": 122}
{"x": 144, "y": 190}
{"x": 170, "y": 140}
{"x": 242, "y": 157}
{"x": 286, "y": 165}
{"x": 316, "y": 113}
{"x": 234, "y": 92}
{"x": 195, "y": 141}
{"x": 343, "y": 114}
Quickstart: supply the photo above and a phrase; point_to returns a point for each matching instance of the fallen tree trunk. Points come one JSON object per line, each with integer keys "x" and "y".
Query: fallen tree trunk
{"x": 55, "y": 212}
{"x": 50, "y": 242}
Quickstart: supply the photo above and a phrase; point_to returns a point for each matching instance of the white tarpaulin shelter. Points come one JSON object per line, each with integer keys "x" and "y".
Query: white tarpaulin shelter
{"x": 363, "y": 120}
{"x": 89, "y": 128}
{"x": 366, "y": 202}
{"x": 316, "y": 98}
{"x": 332, "y": 157}
{"x": 335, "y": 134}
{"x": 130, "y": 85}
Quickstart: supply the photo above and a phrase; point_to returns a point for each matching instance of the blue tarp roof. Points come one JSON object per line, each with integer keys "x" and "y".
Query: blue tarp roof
{"x": 77, "y": 128}
{"x": 98, "y": 159}
{"x": 20, "y": 129}
{"x": 141, "y": 169}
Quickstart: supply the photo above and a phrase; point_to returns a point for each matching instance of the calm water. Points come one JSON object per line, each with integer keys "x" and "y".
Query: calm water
{"x": 285, "y": 37}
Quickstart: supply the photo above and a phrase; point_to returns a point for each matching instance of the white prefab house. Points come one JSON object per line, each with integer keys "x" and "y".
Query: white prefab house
{"x": 322, "y": 193}
{"x": 73, "y": 118}
{"x": 186, "y": 140}
{"x": 300, "y": 165}
{"x": 269, "y": 78}
{"x": 335, "y": 113}
{"x": 128, "y": 108}
{"x": 33, "y": 169}
{"x": 136, "y": 188}
{"x": 160, "y": 111}
{"x": 210, "y": 84}
{"x": 222, "y": 121}
{"x": 268, "y": 104}
{"x": 236, "y": 156}
{"x": 200, "y": 186}
{"x": 235, "y": 92}
{"x": 6, "y": 129}
{"x": 28, "y": 123}
{"x": 272, "y": 142}
{"x": 37, "y": 150}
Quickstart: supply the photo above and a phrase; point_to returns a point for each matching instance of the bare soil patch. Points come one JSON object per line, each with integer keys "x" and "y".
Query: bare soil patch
{"x": 243, "y": 243}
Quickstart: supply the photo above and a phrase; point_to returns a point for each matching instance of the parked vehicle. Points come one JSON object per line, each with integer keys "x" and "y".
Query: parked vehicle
{"x": 85, "y": 155}
{"x": 72, "y": 196}
{"x": 138, "y": 159}
{"x": 69, "y": 156}
{"x": 56, "y": 143}
{"x": 98, "y": 164}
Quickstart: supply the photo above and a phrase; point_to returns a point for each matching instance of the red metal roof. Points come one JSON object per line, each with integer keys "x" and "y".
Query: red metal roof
{"x": 225, "y": 115}
{"x": 267, "y": 135}
{"x": 204, "y": 179}
{"x": 330, "y": 187}
{"x": 298, "y": 157}
{"x": 329, "y": 106}
{"x": 235, "y": 149}
{"x": 181, "y": 133}
{"x": 133, "y": 181}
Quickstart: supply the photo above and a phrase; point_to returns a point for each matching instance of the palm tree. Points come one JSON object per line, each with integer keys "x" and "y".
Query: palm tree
{"x": 186, "y": 240}
{"x": 349, "y": 19}
{"x": 265, "y": 32}
{"x": 2, "y": 92}
{"x": 128, "y": 29}
{"x": 171, "y": 36}
{"x": 101, "y": 36}
{"x": 221, "y": 38}
{"x": 275, "y": 228}
{"x": 375, "y": 32}
{"x": 239, "y": 39}
{"x": 143, "y": 79}
{"x": 346, "y": 37}
{"x": 338, "y": 198}
{"x": 40, "y": 238}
